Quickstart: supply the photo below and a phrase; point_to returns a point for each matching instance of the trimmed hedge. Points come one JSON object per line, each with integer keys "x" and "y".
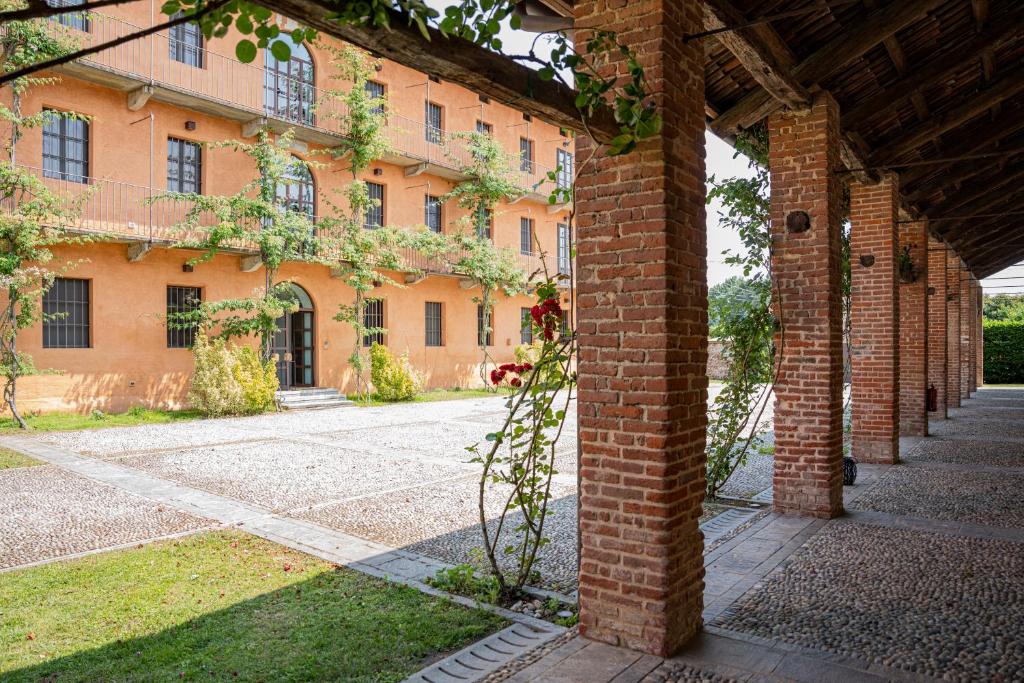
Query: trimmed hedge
{"x": 1004, "y": 352}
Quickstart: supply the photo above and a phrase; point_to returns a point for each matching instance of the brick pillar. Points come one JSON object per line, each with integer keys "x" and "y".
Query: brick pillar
{"x": 965, "y": 331}
{"x": 980, "y": 322}
{"x": 874, "y": 321}
{"x": 975, "y": 307}
{"x": 953, "y": 322}
{"x": 804, "y": 151}
{"x": 937, "y": 334}
{"x": 642, "y": 303}
{"x": 914, "y": 334}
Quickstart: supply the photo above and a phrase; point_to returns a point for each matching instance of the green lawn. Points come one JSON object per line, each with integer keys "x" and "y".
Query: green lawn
{"x": 435, "y": 395}
{"x": 220, "y": 606}
{"x": 10, "y": 459}
{"x": 59, "y": 422}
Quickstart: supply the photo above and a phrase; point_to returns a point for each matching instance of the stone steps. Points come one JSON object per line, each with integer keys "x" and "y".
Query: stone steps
{"x": 311, "y": 399}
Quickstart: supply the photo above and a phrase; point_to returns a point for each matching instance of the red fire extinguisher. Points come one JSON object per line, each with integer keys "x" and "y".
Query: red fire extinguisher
{"x": 933, "y": 398}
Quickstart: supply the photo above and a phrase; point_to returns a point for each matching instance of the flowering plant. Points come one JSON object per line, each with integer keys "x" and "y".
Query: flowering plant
{"x": 519, "y": 462}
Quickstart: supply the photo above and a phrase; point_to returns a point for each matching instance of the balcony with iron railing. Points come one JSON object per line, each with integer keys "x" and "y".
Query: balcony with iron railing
{"x": 125, "y": 212}
{"x": 160, "y": 67}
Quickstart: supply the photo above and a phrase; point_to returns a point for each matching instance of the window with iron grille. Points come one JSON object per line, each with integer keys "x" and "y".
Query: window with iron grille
{"x": 525, "y": 326}
{"x": 181, "y": 300}
{"x": 563, "y": 249}
{"x": 480, "y": 326}
{"x": 484, "y": 222}
{"x": 563, "y": 162}
{"x": 65, "y": 148}
{"x": 375, "y": 211}
{"x": 433, "y": 323}
{"x": 563, "y": 326}
{"x": 186, "y": 43}
{"x": 373, "y": 319}
{"x": 76, "y": 20}
{"x": 432, "y": 212}
{"x": 434, "y": 130}
{"x": 526, "y": 155}
{"x": 288, "y": 87}
{"x": 184, "y": 166}
{"x": 484, "y": 127}
{"x": 66, "y": 315}
{"x": 526, "y": 236}
{"x": 376, "y": 92}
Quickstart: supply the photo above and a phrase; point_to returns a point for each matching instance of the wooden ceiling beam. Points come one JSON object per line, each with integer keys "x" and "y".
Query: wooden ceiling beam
{"x": 848, "y": 46}
{"x": 989, "y": 268}
{"x": 977, "y": 199}
{"x": 930, "y": 74}
{"x": 1007, "y": 252}
{"x": 460, "y": 61}
{"x": 1005, "y": 88}
{"x": 956, "y": 174}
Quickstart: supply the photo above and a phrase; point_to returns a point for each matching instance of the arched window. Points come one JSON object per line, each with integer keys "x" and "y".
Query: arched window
{"x": 288, "y": 87}
{"x": 296, "y": 191}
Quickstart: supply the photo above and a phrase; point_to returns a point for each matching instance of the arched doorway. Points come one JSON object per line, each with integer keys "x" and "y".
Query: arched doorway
{"x": 294, "y": 343}
{"x": 288, "y": 87}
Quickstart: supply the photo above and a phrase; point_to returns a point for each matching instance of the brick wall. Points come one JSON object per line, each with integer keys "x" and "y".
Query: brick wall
{"x": 937, "y": 333}
{"x": 642, "y": 302}
{"x": 806, "y": 267}
{"x": 953, "y": 328}
{"x": 874, "y": 321}
{"x": 913, "y": 334}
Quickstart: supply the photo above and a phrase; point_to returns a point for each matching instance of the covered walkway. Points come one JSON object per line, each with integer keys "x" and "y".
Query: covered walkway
{"x": 921, "y": 579}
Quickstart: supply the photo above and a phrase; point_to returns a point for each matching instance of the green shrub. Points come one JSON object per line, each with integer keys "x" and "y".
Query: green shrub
{"x": 530, "y": 353}
{"x": 214, "y": 390}
{"x": 1004, "y": 352}
{"x": 394, "y": 379}
{"x": 258, "y": 380}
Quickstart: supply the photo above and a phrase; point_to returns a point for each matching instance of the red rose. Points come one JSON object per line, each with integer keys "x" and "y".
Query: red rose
{"x": 526, "y": 367}
{"x": 508, "y": 367}
{"x": 516, "y": 382}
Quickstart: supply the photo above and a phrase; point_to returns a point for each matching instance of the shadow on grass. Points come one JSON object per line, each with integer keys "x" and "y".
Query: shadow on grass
{"x": 336, "y": 626}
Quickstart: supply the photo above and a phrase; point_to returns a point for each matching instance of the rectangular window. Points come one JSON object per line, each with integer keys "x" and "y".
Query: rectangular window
{"x": 184, "y": 166}
{"x": 76, "y": 20}
{"x": 375, "y": 211}
{"x": 484, "y": 222}
{"x": 373, "y": 319}
{"x": 480, "y": 326}
{"x": 186, "y": 43}
{"x": 181, "y": 300}
{"x": 525, "y": 326}
{"x": 526, "y": 155}
{"x": 66, "y": 315}
{"x": 376, "y": 92}
{"x": 564, "y": 163}
{"x": 432, "y": 212}
{"x": 485, "y": 128}
{"x": 433, "y": 322}
{"x": 435, "y": 123}
{"x": 65, "y": 148}
{"x": 563, "y": 249}
{"x": 563, "y": 327}
{"x": 526, "y": 236}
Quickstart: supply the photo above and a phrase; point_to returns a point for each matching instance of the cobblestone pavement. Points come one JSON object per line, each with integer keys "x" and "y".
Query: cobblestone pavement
{"x": 46, "y": 512}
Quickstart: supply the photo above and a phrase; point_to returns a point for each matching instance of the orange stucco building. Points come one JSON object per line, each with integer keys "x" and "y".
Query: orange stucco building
{"x": 147, "y": 101}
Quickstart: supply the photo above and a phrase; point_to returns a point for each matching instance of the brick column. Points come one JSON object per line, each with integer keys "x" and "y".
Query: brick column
{"x": 874, "y": 321}
{"x": 953, "y": 322}
{"x": 914, "y": 334}
{"x": 965, "y": 331}
{"x": 805, "y": 225}
{"x": 980, "y": 322}
{"x": 975, "y": 307}
{"x": 937, "y": 334}
{"x": 642, "y": 303}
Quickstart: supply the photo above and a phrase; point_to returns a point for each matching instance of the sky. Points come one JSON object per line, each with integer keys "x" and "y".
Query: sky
{"x": 720, "y": 163}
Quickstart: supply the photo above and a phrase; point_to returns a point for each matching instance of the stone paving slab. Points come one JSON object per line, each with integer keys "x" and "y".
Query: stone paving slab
{"x": 960, "y": 451}
{"x": 962, "y": 495}
{"x": 46, "y": 513}
{"x": 873, "y": 593}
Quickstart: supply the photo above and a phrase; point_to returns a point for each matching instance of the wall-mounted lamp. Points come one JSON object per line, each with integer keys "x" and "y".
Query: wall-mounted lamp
{"x": 867, "y": 260}
{"x": 931, "y": 291}
{"x": 798, "y": 221}
{"x": 190, "y": 125}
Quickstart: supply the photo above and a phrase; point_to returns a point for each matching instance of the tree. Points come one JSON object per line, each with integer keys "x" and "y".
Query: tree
{"x": 255, "y": 216}
{"x": 38, "y": 219}
{"x": 490, "y": 180}
{"x": 1004, "y": 307}
{"x": 733, "y": 298}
